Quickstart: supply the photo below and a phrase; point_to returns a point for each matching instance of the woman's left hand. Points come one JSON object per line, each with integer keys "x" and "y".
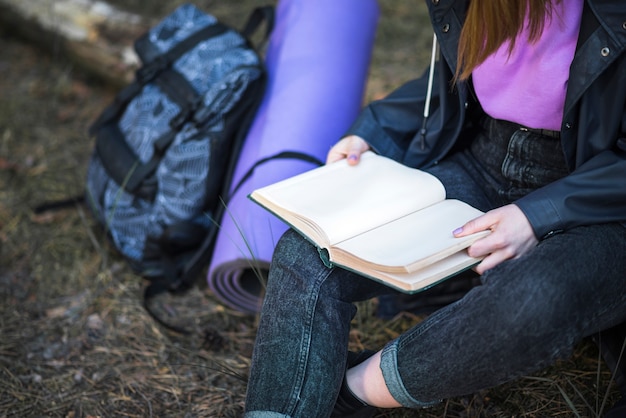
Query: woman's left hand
{"x": 511, "y": 236}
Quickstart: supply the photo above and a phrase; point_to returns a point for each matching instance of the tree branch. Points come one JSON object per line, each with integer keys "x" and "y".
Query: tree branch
{"x": 94, "y": 34}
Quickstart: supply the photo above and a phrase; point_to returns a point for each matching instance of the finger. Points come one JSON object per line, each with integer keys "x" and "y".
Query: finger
{"x": 356, "y": 146}
{"x": 491, "y": 261}
{"x": 334, "y": 155}
{"x": 350, "y": 147}
{"x": 494, "y": 248}
{"x": 337, "y": 152}
{"x": 497, "y": 241}
{"x": 482, "y": 223}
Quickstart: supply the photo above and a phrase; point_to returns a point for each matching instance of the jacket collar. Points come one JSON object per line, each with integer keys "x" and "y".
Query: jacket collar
{"x": 601, "y": 42}
{"x": 447, "y": 18}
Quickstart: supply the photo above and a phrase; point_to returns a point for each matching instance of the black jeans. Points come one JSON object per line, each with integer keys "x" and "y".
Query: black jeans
{"x": 524, "y": 314}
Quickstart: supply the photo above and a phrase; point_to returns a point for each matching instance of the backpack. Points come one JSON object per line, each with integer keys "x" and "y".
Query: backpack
{"x": 166, "y": 148}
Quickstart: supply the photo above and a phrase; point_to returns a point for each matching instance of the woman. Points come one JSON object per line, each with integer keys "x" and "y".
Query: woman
{"x": 527, "y": 123}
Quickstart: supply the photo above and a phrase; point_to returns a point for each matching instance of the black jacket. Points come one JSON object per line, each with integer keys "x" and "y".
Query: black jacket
{"x": 593, "y": 132}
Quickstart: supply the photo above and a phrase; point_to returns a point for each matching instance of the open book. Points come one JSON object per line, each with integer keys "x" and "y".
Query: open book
{"x": 379, "y": 218}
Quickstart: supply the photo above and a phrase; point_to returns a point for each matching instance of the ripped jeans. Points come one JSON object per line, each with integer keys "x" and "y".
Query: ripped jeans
{"x": 525, "y": 313}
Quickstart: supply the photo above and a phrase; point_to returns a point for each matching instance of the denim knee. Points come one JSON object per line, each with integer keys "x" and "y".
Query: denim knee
{"x": 297, "y": 260}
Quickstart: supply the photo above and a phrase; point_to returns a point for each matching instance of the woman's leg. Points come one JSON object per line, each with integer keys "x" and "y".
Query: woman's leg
{"x": 527, "y": 313}
{"x": 300, "y": 354}
{"x": 299, "y": 359}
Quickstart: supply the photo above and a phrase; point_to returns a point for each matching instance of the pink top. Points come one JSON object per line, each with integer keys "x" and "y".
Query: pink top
{"x": 528, "y": 87}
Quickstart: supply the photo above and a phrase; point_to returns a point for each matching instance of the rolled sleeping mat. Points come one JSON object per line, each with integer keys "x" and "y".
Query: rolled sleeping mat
{"x": 317, "y": 61}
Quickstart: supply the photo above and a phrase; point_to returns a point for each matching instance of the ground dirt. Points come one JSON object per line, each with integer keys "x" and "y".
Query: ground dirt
{"x": 75, "y": 340}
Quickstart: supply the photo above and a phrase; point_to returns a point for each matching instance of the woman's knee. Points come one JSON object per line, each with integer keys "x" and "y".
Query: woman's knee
{"x": 295, "y": 263}
{"x": 292, "y": 249}
{"x": 297, "y": 266}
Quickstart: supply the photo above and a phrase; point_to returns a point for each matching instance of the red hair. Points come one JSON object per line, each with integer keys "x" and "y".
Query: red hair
{"x": 490, "y": 23}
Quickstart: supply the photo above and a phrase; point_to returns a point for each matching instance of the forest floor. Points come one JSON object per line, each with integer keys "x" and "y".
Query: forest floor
{"x": 75, "y": 340}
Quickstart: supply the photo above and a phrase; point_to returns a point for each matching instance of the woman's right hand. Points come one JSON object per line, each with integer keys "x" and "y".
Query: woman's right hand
{"x": 350, "y": 147}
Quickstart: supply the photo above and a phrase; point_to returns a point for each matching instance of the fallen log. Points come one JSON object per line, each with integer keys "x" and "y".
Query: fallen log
{"x": 94, "y": 34}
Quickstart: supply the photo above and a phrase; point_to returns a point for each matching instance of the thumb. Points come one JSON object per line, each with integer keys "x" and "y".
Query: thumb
{"x": 350, "y": 147}
{"x": 355, "y": 147}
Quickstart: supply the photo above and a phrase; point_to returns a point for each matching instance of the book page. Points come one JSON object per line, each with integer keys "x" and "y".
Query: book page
{"x": 345, "y": 201}
{"x": 411, "y": 242}
{"x": 425, "y": 278}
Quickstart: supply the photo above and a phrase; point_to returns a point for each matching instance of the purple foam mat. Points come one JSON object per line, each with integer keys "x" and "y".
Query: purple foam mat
{"x": 317, "y": 61}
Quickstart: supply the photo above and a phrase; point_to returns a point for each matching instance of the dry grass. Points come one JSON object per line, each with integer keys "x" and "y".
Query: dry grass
{"x": 74, "y": 338}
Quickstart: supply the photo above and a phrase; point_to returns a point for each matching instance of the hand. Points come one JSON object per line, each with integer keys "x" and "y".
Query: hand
{"x": 350, "y": 147}
{"x": 511, "y": 236}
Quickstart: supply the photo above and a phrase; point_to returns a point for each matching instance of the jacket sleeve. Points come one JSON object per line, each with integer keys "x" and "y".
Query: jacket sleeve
{"x": 595, "y": 192}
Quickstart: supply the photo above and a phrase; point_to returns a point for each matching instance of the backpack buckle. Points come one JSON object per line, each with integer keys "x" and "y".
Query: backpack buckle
{"x": 148, "y": 72}
{"x": 186, "y": 113}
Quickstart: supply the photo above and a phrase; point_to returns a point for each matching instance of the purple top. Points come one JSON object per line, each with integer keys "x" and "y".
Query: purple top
{"x": 528, "y": 87}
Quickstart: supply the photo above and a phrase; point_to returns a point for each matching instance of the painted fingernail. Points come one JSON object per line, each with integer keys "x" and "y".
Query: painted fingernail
{"x": 457, "y": 231}
{"x": 353, "y": 157}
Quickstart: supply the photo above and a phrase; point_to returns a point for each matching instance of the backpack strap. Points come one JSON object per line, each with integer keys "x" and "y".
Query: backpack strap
{"x": 150, "y": 70}
{"x": 257, "y": 17}
{"x": 123, "y": 165}
{"x": 120, "y": 160}
{"x": 179, "y": 90}
{"x": 283, "y": 155}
